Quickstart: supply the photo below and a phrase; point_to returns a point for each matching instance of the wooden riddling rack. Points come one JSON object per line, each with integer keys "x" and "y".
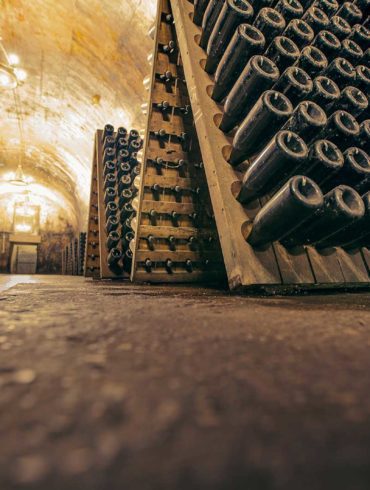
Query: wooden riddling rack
{"x": 273, "y": 267}
{"x": 175, "y": 233}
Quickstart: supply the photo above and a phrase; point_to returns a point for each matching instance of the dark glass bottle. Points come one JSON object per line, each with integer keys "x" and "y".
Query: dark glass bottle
{"x": 350, "y": 12}
{"x": 362, "y": 80}
{"x": 123, "y": 156}
{"x": 273, "y": 166}
{"x": 353, "y": 101}
{"x": 295, "y": 202}
{"x": 233, "y": 13}
{"x": 307, "y": 121}
{"x": 339, "y": 27}
{"x": 360, "y": 35}
{"x": 114, "y": 257}
{"x": 112, "y": 223}
{"x": 325, "y": 160}
{"x": 209, "y": 20}
{"x": 351, "y": 52}
{"x": 270, "y": 22}
{"x": 341, "y": 72}
{"x": 109, "y": 154}
{"x": 109, "y": 167}
{"x": 352, "y": 236}
{"x": 246, "y": 42}
{"x": 200, "y": 7}
{"x": 124, "y": 182}
{"x": 111, "y": 209}
{"x": 123, "y": 169}
{"x": 317, "y": 19}
{"x": 109, "y": 195}
{"x": 356, "y": 170}
{"x": 295, "y": 83}
{"x": 342, "y": 129}
{"x": 342, "y": 206}
{"x": 328, "y": 6}
{"x": 266, "y": 117}
{"x": 108, "y": 131}
{"x": 283, "y": 52}
{"x": 110, "y": 180}
{"x": 124, "y": 197}
{"x": 109, "y": 142}
{"x": 133, "y": 135}
{"x": 259, "y": 75}
{"x": 113, "y": 240}
{"x": 328, "y": 43}
{"x": 363, "y": 138}
{"x": 289, "y": 9}
{"x": 312, "y": 60}
{"x": 325, "y": 93}
{"x": 300, "y": 32}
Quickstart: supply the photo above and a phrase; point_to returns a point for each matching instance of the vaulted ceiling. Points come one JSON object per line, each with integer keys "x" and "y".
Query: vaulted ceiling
{"x": 85, "y": 60}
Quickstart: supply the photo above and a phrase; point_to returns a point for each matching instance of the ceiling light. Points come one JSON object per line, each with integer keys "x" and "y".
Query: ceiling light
{"x": 19, "y": 178}
{"x": 20, "y": 74}
{"x": 13, "y": 59}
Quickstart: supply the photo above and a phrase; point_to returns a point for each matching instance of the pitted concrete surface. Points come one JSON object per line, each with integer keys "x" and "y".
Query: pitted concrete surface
{"x": 111, "y": 387}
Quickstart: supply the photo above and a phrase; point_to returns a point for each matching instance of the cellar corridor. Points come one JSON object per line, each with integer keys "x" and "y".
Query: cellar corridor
{"x": 111, "y": 386}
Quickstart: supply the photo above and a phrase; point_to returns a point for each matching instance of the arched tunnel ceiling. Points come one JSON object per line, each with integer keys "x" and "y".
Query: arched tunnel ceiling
{"x": 85, "y": 60}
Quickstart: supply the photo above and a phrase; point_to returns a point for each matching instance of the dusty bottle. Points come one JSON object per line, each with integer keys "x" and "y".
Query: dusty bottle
{"x": 341, "y": 72}
{"x": 295, "y": 83}
{"x": 289, "y": 9}
{"x": 339, "y": 27}
{"x": 356, "y": 170}
{"x": 307, "y": 121}
{"x": 246, "y": 42}
{"x": 200, "y": 7}
{"x": 295, "y": 202}
{"x": 342, "y": 206}
{"x": 233, "y": 13}
{"x": 342, "y": 129}
{"x": 325, "y": 160}
{"x": 300, "y": 32}
{"x": 114, "y": 257}
{"x": 351, "y": 52}
{"x": 273, "y": 166}
{"x": 270, "y": 22}
{"x": 353, "y": 101}
{"x": 266, "y": 117}
{"x": 108, "y": 131}
{"x": 328, "y": 6}
{"x": 325, "y": 93}
{"x": 360, "y": 35}
{"x": 316, "y": 19}
{"x": 362, "y": 80}
{"x": 283, "y": 52}
{"x": 259, "y": 75}
{"x": 209, "y": 20}
{"x": 328, "y": 43}
{"x": 350, "y": 12}
{"x": 112, "y": 240}
{"x": 312, "y": 60}
{"x": 363, "y": 138}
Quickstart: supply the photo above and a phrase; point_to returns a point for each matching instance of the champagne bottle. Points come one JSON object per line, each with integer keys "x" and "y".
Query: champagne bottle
{"x": 312, "y": 60}
{"x": 111, "y": 209}
{"x": 307, "y": 121}
{"x": 351, "y": 52}
{"x": 300, "y": 32}
{"x": 350, "y": 12}
{"x": 124, "y": 197}
{"x": 289, "y": 9}
{"x": 325, "y": 160}
{"x": 328, "y": 43}
{"x": 246, "y": 42}
{"x": 273, "y": 166}
{"x": 362, "y": 80}
{"x": 114, "y": 257}
{"x": 266, "y": 117}
{"x": 209, "y": 20}
{"x": 342, "y": 72}
{"x": 325, "y": 93}
{"x": 353, "y": 101}
{"x": 200, "y": 7}
{"x": 363, "y": 138}
{"x": 342, "y": 206}
{"x": 295, "y": 83}
{"x": 328, "y": 6}
{"x": 316, "y": 19}
{"x": 123, "y": 156}
{"x": 339, "y": 27}
{"x": 109, "y": 167}
{"x": 270, "y": 22}
{"x": 112, "y": 223}
{"x": 283, "y": 52}
{"x": 109, "y": 154}
{"x": 110, "y": 180}
{"x": 123, "y": 169}
{"x": 112, "y": 240}
{"x": 356, "y": 169}
{"x": 233, "y": 13}
{"x": 109, "y": 195}
{"x": 259, "y": 75}
{"x": 124, "y": 182}
{"x": 108, "y": 131}
{"x": 342, "y": 129}
{"x": 291, "y": 206}
{"x": 360, "y": 35}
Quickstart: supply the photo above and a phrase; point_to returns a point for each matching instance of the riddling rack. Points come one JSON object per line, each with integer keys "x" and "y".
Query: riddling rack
{"x": 268, "y": 265}
{"x": 115, "y": 166}
{"x": 176, "y": 237}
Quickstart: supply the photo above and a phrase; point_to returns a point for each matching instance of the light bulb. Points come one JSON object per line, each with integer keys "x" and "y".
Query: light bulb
{"x": 4, "y": 80}
{"x": 20, "y": 74}
{"x": 13, "y": 59}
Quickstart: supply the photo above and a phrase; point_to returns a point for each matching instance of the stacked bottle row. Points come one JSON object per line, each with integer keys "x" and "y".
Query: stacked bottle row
{"x": 73, "y": 256}
{"x": 120, "y": 169}
{"x": 293, "y": 79}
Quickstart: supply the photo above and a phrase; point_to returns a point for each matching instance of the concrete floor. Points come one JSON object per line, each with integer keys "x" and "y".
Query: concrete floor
{"x": 111, "y": 387}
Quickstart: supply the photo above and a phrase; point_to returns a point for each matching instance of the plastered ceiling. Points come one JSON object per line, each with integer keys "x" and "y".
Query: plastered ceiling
{"x": 85, "y": 60}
